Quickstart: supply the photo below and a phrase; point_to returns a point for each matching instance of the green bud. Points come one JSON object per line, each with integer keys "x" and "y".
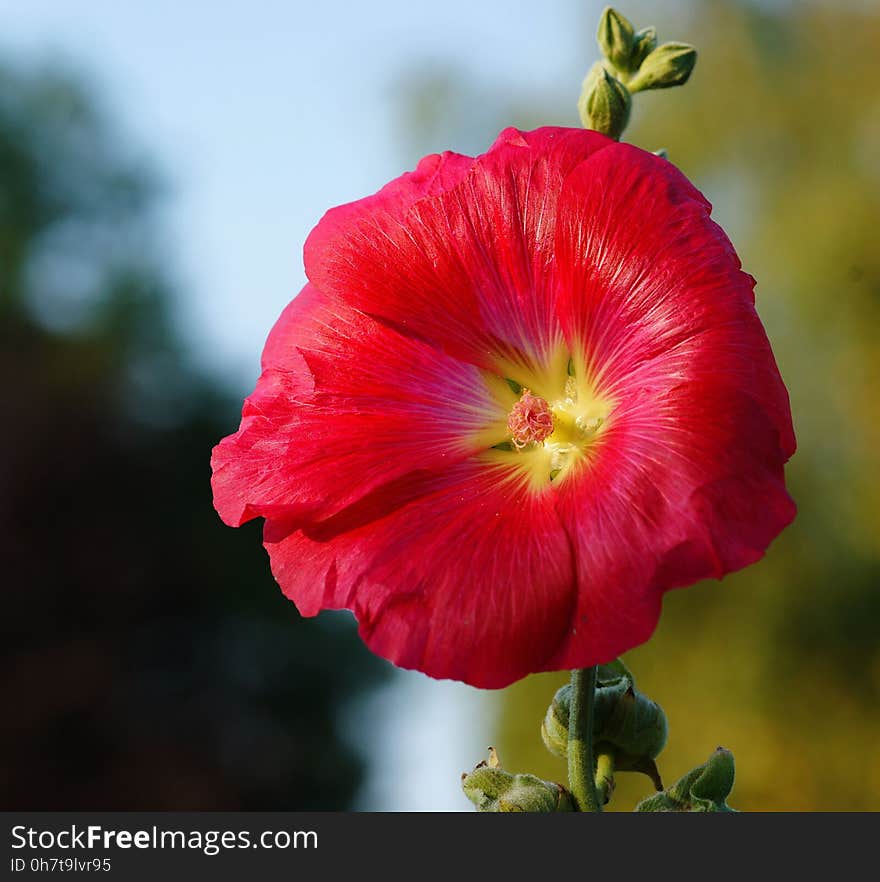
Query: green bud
{"x": 554, "y": 728}
{"x": 615, "y": 38}
{"x": 627, "y": 725}
{"x": 633, "y": 724}
{"x": 604, "y": 104}
{"x": 644, "y": 42}
{"x": 491, "y": 789}
{"x": 711, "y": 789}
{"x": 703, "y": 789}
{"x": 668, "y": 65}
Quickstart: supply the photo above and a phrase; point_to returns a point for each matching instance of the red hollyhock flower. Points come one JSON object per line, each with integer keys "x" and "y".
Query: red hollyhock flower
{"x": 521, "y": 396}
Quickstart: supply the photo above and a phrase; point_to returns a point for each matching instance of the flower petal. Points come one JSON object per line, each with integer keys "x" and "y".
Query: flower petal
{"x": 687, "y": 478}
{"x": 344, "y": 405}
{"x": 470, "y": 269}
{"x": 472, "y": 581}
{"x": 684, "y": 487}
{"x": 651, "y": 286}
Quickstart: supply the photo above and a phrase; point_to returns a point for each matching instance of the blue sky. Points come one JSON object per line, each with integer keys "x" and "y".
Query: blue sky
{"x": 263, "y": 114}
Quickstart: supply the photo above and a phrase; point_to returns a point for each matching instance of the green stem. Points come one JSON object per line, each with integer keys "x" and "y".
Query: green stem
{"x": 581, "y": 771}
{"x": 604, "y": 776}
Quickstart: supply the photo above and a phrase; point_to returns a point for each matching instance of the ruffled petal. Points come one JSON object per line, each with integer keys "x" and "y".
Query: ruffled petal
{"x": 472, "y": 581}
{"x": 471, "y": 268}
{"x": 686, "y": 481}
{"x": 295, "y": 327}
{"x": 688, "y": 488}
{"x": 344, "y": 405}
{"x": 651, "y": 287}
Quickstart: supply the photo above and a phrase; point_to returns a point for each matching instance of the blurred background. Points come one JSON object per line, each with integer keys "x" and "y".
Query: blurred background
{"x": 160, "y": 167}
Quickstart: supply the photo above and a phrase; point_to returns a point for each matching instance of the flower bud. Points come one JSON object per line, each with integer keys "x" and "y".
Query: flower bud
{"x": 703, "y": 789}
{"x": 554, "y": 728}
{"x": 615, "y": 38}
{"x": 604, "y": 104}
{"x": 644, "y": 42}
{"x": 626, "y": 724}
{"x": 668, "y": 65}
{"x": 491, "y": 789}
{"x": 633, "y": 724}
{"x": 711, "y": 789}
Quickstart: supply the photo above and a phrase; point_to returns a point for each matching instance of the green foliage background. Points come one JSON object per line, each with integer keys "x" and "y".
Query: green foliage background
{"x": 780, "y": 128}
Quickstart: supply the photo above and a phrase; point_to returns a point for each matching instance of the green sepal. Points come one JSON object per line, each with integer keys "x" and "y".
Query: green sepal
{"x": 703, "y": 789}
{"x": 614, "y": 672}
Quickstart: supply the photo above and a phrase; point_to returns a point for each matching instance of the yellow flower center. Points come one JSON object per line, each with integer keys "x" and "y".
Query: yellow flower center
{"x": 554, "y": 420}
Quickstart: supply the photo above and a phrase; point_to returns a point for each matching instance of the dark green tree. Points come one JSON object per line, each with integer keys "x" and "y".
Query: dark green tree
{"x": 149, "y": 660}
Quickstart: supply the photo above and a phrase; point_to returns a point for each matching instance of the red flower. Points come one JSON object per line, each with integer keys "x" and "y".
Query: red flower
{"x": 521, "y": 397}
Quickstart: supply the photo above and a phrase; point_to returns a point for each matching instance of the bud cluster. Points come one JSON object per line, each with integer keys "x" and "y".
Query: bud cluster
{"x": 628, "y": 727}
{"x": 629, "y": 731}
{"x": 633, "y": 62}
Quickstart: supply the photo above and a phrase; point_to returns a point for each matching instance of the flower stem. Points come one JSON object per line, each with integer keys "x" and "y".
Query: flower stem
{"x": 581, "y": 771}
{"x": 604, "y": 776}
